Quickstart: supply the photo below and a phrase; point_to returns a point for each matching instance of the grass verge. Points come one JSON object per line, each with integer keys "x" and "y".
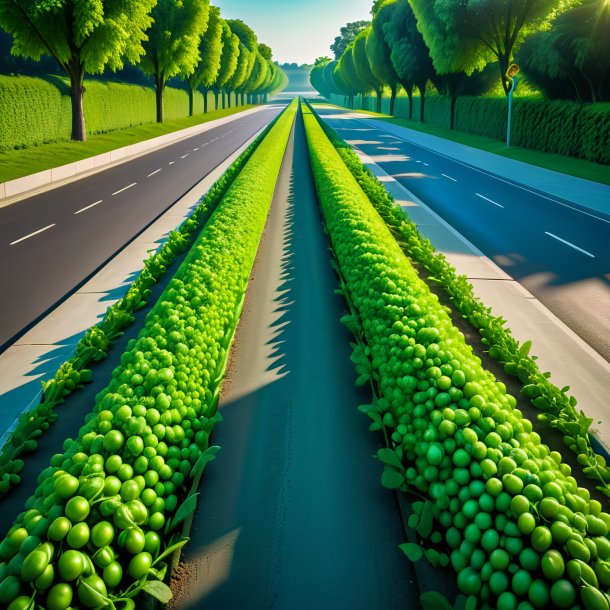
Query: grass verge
{"x": 558, "y": 163}
{"x": 24, "y": 162}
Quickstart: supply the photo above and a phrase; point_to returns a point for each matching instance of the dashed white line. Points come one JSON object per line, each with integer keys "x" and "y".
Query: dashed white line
{"x": 171, "y": 163}
{"x": 449, "y": 177}
{"x": 567, "y": 243}
{"x": 30, "y": 235}
{"x": 488, "y": 199}
{"x": 185, "y": 156}
{"x": 124, "y": 189}
{"x": 195, "y": 149}
{"x": 426, "y": 164}
{"x": 89, "y": 207}
{"x": 153, "y": 173}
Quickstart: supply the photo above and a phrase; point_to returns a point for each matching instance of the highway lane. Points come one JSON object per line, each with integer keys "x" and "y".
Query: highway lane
{"x": 558, "y": 250}
{"x": 53, "y": 242}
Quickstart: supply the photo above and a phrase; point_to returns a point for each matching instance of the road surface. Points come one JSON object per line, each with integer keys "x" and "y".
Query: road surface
{"x": 558, "y": 250}
{"x": 53, "y": 242}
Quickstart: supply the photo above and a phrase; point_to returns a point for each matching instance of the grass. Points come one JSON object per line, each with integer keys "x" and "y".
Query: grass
{"x": 558, "y": 163}
{"x": 24, "y": 162}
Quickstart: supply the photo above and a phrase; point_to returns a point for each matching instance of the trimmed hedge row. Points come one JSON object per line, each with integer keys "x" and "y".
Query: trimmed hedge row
{"x": 561, "y": 127}
{"x": 38, "y": 110}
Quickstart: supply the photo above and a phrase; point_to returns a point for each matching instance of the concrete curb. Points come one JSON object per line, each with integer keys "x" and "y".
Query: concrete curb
{"x": 12, "y": 191}
{"x": 37, "y": 355}
{"x": 572, "y": 361}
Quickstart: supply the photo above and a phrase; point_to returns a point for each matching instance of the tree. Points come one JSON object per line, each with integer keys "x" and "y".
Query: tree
{"x": 316, "y": 77}
{"x": 465, "y": 35}
{"x": 329, "y": 78}
{"x": 239, "y": 76}
{"x": 379, "y": 53}
{"x": 348, "y": 75}
{"x": 363, "y": 66}
{"x": 248, "y": 38}
{"x": 257, "y": 78}
{"x": 572, "y": 59}
{"x": 81, "y": 35}
{"x": 210, "y": 51}
{"x": 409, "y": 54}
{"x": 347, "y": 36}
{"x": 173, "y": 42}
{"x": 228, "y": 61}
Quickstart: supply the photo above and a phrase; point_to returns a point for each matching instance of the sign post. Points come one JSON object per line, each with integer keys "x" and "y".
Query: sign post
{"x": 511, "y": 75}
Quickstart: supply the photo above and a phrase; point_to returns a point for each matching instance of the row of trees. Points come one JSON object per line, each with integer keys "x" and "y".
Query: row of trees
{"x": 164, "y": 38}
{"x": 465, "y": 48}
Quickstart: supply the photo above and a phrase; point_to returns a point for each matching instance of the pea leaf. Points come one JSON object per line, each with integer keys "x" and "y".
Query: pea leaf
{"x": 525, "y": 349}
{"x": 186, "y": 509}
{"x": 432, "y": 600}
{"x": 159, "y": 590}
{"x": 414, "y": 552}
{"x": 207, "y": 456}
{"x": 170, "y": 549}
{"x": 392, "y": 479}
{"x": 424, "y": 529}
{"x": 387, "y": 456}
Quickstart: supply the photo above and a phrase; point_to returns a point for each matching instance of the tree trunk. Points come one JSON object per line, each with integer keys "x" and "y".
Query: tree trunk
{"x": 393, "y": 100}
{"x": 422, "y": 106}
{"x": 410, "y": 95}
{"x": 205, "y": 100}
{"x": 224, "y": 99}
{"x": 216, "y": 96}
{"x": 77, "y": 76}
{"x": 452, "y": 113}
{"x": 379, "y": 94}
{"x": 159, "y": 87}
{"x": 191, "y": 101}
{"x": 503, "y": 63}
{"x": 243, "y": 99}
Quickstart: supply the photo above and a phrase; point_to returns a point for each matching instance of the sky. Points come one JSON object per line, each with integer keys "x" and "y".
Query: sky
{"x": 297, "y": 31}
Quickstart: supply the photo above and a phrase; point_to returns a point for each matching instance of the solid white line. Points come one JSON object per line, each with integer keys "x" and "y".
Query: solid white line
{"x": 124, "y": 189}
{"x": 567, "y": 243}
{"x": 490, "y": 200}
{"x": 30, "y": 235}
{"x": 153, "y": 173}
{"x": 184, "y": 156}
{"x": 89, "y": 207}
{"x": 490, "y": 175}
{"x": 449, "y": 177}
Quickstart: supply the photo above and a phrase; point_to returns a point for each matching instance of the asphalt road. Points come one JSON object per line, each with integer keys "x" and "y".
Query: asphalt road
{"x": 292, "y": 513}
{"x": 558, "y": 250}
{"x": 53, "y": 242}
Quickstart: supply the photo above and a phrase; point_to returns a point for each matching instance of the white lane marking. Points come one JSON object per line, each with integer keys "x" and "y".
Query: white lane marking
{"x": 449, "y": 177}
{"x": 184, "y": 156}
{"x": 153, "y": 173}
{"x": 30, "y": 235}
{"x": 171, "y": 163}
{"x": 567, "y": 243}
{"x": 426, "y": 164}
{"x": 124, "y": 189}
{"x": 195, "y": 149}
{"x": 490, "y": 175}
{"x": 89, "y": 207}
{"x": 488, "y": 199}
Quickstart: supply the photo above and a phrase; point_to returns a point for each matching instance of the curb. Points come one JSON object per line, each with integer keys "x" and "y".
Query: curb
{"x": 13, "y": 190}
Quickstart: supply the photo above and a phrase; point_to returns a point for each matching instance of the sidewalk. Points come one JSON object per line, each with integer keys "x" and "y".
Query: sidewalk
{"x": 585, "y": 193}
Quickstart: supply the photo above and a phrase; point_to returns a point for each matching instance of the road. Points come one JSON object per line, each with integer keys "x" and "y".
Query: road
{"x": 558, "y": 250}
{"x": 292, "y": 513}
{"x": 51, "y": 243}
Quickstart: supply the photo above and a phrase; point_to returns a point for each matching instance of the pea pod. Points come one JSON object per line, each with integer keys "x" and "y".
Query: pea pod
{"x": 593, "y": 599}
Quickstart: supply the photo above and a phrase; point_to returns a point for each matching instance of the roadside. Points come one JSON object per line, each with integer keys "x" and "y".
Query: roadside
{"x": 292, "y": 513}
{"x": 15, "y": 164}
{"x": 514, "y": 163}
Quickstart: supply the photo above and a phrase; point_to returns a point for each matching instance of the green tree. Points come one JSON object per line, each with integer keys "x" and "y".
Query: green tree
{"x": 347, "y": 35}
{"x": 466, "y": 35}
{"x": 329, "y": 78}
{"x": 248, "y": 38}
{"x": 572, "y": 59}
{"x": 379, "y": 52}
{"x": 363, "y": 66}
{"x": 210, "y": 52}
{"x": 83, "y": 36}
{"x": 257, "y": 78}
{"x": 228, "y": 61}
{"x": 316, "y": 77}
{"x": 349, "y": 77}
{"x": 240, "y": 75}
{"x": 409, "y": 54}
{"x": 173, "y": 42}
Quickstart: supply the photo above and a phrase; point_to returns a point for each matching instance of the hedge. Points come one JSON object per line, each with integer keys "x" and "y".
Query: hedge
{"x": 561, "y": 127}
{"x": 38, "y": 110}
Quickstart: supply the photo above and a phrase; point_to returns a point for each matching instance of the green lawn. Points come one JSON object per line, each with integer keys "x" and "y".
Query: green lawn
{"x": 558, "y": 163}
{"x": 23, "y": 162}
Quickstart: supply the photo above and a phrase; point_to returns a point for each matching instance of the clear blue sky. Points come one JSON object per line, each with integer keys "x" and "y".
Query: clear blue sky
{"x": 296, "y": 30}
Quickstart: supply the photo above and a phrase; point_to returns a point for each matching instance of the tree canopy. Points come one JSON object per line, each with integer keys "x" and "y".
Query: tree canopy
{"x": 363, "y": 66}
{"x": 229, "y": 58}
{"x": 347, "y": 35}
{"x": 81, "y": 35}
